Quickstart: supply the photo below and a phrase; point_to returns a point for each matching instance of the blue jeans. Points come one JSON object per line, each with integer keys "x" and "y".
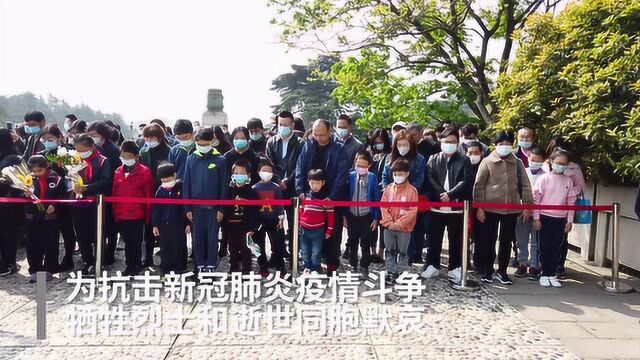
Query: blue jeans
{"x": 205, "y": 237}
{"x": 525, "y": 235}
{"x": 311, "y": 247}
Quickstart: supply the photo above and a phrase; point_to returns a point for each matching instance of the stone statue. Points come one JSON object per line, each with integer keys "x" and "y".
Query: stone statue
{"x": 214, "y": 116}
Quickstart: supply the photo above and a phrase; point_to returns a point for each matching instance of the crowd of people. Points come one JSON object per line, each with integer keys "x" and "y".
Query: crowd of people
{"x": 283, "y": 160}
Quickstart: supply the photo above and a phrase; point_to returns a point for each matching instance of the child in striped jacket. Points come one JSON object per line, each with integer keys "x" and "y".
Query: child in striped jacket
{"x": 316, "y": 223}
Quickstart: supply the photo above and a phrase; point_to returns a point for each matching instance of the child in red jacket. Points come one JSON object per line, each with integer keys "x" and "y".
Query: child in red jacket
{"x": 316, "y": 223}
{"x": 132, "y": 179}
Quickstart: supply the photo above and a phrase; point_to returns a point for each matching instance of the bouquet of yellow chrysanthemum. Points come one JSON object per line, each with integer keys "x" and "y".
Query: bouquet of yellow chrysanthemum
{"x": 72, "y": 162}
{"x": 20, "y": 178}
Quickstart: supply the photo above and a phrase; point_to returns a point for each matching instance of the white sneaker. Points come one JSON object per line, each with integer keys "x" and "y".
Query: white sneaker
{"x": 554, "y": 282}
{"x": 431, "y": 272}
{"x": 455, "y": 274}
{"x": 314, "y": 273}
{"x": 544, "y": 281}
{"x": 306, "y": 272}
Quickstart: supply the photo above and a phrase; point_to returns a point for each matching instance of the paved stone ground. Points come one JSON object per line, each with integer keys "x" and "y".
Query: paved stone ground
{"x": 479, "y": 325}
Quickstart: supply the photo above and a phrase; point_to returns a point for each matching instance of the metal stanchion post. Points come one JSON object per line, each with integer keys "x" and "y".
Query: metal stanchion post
{"x": 465, "y": 284}
{"x": 41, "y": 305}
{"x": 99, "y": 239}
{"x": 614, "y": 285}
{"x": 295, "y": 238}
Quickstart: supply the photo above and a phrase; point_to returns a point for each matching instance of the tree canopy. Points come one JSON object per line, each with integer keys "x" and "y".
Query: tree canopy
{"x": 578, "y": 76}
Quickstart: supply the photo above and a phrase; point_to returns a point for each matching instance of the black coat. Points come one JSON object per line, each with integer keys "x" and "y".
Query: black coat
{"x": 285, "y": 168}
{"x": 460, "y": 177}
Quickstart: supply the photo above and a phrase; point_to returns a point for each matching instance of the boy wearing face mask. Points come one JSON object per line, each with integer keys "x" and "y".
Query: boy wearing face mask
{"x": 242, "y": 220}
{"x": 96, "y": 179}
{"x": 132, "y": 179}
{"x": 271, "y": 220}
{"x": 42, "y": 225}
{"x": 183, "y": 130}
{"x": 398, "y": 222}
{"x": 553, "y": 188}
{"x": 258, "y": 142}
{"x": 205, "y": 177}
{"x": 34, "y": 122}
{"x": 525, "y": 233}
{"x": 169, "y": 223}
{"x": 363, "y": 220}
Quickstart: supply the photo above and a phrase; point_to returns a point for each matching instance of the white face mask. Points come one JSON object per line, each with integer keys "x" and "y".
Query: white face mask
{"x": 379, "y": 146}
{"x": 535, "y": 165}
{"x": 127, "y": 162}
{"x": 97, "y": 140}
{"x": 265, "y": 175}
{"x": 399, "y": 179}
{"x": 403, "y": 150}
{"x": 525, "y": 144}
{"x": 475, "y": 159}
{"x": 67, "y": 126}
{"x": 152, "y": 143}
{"x": 215, "y": 143}
{"x": 85, "y": 154}
{"x": 169, "y": 184}
{"x": 449, "y": 148}
{"x": 468, "y": 141}
{"x": 504, "y": 150}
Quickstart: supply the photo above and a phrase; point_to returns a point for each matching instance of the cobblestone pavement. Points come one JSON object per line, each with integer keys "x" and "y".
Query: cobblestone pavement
{"x": 478, "y": 325}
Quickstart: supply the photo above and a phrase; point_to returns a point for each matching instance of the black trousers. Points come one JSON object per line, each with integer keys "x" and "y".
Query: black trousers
{"x": 288, "y": 210}
{"x": 42, "y": 245}
{"x": 8, "y": 243}
{"x": 453, "y": 223}
{"x": 149, "y": 244}
{"x": 486, "y": 237}
{"x": 131, "y": 232}
{"x": 84, "y": 222}
{"x": 110, "y": 232}
{"x": 276, "y": 238}
{"x": 331, "y": 246}
{"x": 173, "y": 247}
{"x": 239, "y": 253}
{"x": 550, "y": 243}
{"x": 360, "y": 234}
{"x": 65, "y": 224}
{"x": 564, "y": 251}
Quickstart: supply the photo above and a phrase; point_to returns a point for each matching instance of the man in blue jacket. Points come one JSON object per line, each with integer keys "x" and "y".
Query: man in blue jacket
{"x": 323, "y": 152}
{"x": 205, "y": 177}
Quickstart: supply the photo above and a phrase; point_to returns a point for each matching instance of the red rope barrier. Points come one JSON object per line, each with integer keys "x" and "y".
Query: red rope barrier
{"x": 286, "y": 202}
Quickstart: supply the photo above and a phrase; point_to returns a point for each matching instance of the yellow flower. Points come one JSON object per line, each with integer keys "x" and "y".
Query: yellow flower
{"x": 28, "y": 181}
{"x": 79, "y": 181}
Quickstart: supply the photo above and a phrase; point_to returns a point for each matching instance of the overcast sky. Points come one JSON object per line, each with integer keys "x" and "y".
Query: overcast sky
{"x": 144, "y": 58}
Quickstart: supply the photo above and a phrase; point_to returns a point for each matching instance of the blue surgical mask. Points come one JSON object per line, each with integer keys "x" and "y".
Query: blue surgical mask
{"x": 342, "y": 133}
{"x": 203, "y": 149}
{"x": 448, "y": 148}
{"x": 256, "y": 136}
{"x": 32, "y": 130}
{"x": 240, "y": 179}
{"x": 558, "y": 169}
{"x": 284, "y": 131}
{"x": 49, "y": 144}
{"x": 239, "y": 143}
{"x": 186, "y": 143}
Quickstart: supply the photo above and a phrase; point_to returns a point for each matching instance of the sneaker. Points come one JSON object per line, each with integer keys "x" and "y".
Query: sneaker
{"x": 521, "y": 272}
{"x": 389, "y": 279}
{"x": 487, "y": 278}
{"x": 431, "y": 272}
{"x": 88, "y": 270}
{"x": 314, "y": 273}
{"x": 32, "y": 278}
{"x": 554, "y": 282}
{"x": 306, "y": 272}
{"x": 533, "y": 274}
{"x": 544, "y": 281}
{"x": 4, "y": 271}
{"x": 455, "y": 274}
{"x": 503, "y": 278}
{"x": 210, "y": 269}
{"x": 561, "y": 274}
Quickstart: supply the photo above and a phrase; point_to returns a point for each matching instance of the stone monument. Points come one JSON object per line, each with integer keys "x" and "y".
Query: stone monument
{"x": 214, "y": 114}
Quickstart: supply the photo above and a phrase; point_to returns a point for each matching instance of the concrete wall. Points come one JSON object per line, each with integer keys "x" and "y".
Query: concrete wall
{"x": 594, "y": 240}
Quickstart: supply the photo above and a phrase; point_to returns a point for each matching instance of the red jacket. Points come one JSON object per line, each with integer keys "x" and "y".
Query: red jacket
{"x": 138, "y": 183}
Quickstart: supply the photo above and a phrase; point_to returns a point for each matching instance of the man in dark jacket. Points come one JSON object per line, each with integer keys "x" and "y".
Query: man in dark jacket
{"x": 350, "y": 143}
{"x": 448, "y": 176}
{"x": 322, "y": 152}
{"x": 283, "y": 151}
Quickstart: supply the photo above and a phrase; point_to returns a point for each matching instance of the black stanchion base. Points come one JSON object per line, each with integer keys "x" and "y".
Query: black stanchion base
{"x": 470, "y": 285}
